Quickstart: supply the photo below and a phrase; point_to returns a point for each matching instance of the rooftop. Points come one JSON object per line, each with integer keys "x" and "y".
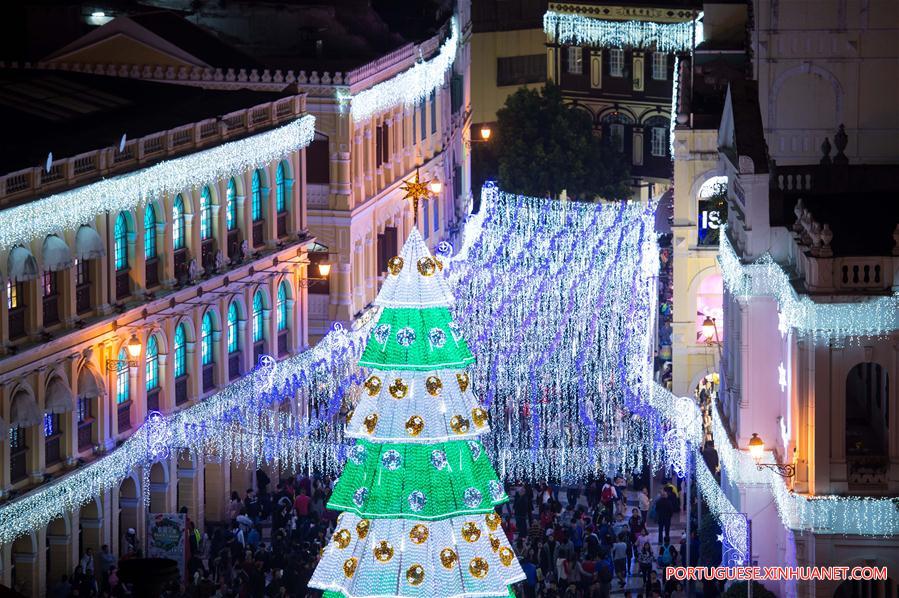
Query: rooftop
{"x": 71, "y": 113}
{"x": 845, "y": 197}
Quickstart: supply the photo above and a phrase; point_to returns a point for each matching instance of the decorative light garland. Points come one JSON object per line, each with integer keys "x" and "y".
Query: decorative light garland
{"x": 410, "y": 86}
{"x": 864, "y": 317}
{"x": 576, "y": 329}
{"x": 70, "y": 209}
{"x": 588, "y": 31}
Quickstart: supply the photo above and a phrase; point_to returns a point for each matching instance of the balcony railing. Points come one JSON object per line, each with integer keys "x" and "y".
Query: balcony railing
{"x": 109, "y": 161}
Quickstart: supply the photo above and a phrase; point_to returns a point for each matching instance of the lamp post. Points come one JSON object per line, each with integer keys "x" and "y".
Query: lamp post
{"x": 757, "y": 449}
{"x": 133, "y": 346}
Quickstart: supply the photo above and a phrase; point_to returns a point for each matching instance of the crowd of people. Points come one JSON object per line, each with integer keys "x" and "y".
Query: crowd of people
{"x": 597, "y": 543}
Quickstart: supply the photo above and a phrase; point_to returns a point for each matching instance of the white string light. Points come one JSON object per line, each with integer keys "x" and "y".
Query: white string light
{"x": 863, "y": 317}
{"x": 70, "y": 209}
{"x": 561, "y": 329}
{"x": 588, "y": 31}
{"x": 410, "y": 86}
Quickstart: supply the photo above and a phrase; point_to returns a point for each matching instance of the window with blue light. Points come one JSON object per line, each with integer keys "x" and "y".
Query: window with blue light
{"x": 436, "y": 215}
{"x": 206, "y": 214}
{"x": 150, "y": 232}
{"x": 123, "y": 383}
{"x": 424, "y": 123}
{"x": 152, "y": 363}
{"x": 231, "y": 214}
{"x": 121, "y": 242}
{"x": 51, "y": 425}
{"x": 258, "y": 321}
{"x": 282, "y": 306}
{"x": 256, "y": 208}
{"x": 180, "y": 351}
{"x": 178, "y": 222}
{"x": 281, "y": 189}
{"x": 434, "y": 111}
{"x": 425, "y": 211}
{"x": 206, "y": 340}
{"x": 233, "y": 336}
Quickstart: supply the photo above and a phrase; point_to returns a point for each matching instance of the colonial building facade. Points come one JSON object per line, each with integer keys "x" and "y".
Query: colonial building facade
{"x": 149, "y": 308}
{"x": 623, "y": 80}
{"x": 356, "y": 164}
{"x": 810, "y": 225}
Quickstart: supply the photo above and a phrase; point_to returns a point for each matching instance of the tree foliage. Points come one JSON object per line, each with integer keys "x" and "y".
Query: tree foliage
{"x": 545, "y": 146}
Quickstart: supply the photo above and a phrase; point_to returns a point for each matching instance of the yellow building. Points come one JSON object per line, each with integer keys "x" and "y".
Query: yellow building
{"x": 508, "y": 50}
{"x": 146, "y": 276}
{"x": 356, "y": 164}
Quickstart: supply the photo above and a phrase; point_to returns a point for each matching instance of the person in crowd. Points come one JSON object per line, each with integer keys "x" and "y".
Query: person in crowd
{"x": 643, "y": 503}
{"x": 664, "y": 510}
{"x": 619, "y": 558}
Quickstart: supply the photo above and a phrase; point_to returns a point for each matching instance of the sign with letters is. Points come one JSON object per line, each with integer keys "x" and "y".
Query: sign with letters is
{"x": 709, "y": 222}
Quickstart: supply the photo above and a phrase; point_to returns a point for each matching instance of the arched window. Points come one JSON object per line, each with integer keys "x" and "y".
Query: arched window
{"x": 180, "y": 351}
{"x": 425, "y": 211}
{"x": 656, "y": 134}
{"x": 258, "y": 321}
{"x": 232, "y": 205}
{"x": 206, "y": 340}
{"x": 256, "y": 208}
{"x": 282, "y": 306}
{"x": 206, "y": 214}
{"x": 281, "y": 189}
{"x": 121, "y": 242}
{"x": 617, "y": 131}
{"x": 178, "y": 222}
{"x": 711, "y": 211}
{"x": 152, "y": 363}
{"x": 233, "y": 336}
{"x": 123, "y": 384}
{"x": 150, "y": 232}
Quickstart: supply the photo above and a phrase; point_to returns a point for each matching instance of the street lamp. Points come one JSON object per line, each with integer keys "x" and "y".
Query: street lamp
{"x": 709, "y": 330}
{"x": 436, "y": 186}
{"x": 133, "y": 346}
{"x": 757, "y": 449}
{"x": 485, "y": 133}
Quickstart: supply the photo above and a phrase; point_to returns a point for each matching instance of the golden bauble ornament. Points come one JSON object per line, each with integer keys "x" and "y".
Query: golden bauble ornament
{"x": 433, "y": 385}
{"x": 426, "y": 266}
{"x": 478, "y": 568}
{"x": 493, "y": 520}
{"x": 414, "y": 425}
{"x": 449, "y": 558}
{"x": 349, "y": 566}
{"x": 459, "y": 424}
{"x": 506, "y": 556}
{"x": 342, "y": 538}
{"x": 463, "y": 380}
{"x": 370, "y": 422}
{"x": 415, "y": 575}
{"x": 494, "y": 543}
{"x": 362, "y": 528}
{"x": 471, "y": 532}
{"x": 419, "y": 533}
{"x": 479, "y": 416}
{"x": 373, "y": 385}
{"x": 399, "y": 389}
{"x": 383, "y": 551}
{"x": 395, "y": 265}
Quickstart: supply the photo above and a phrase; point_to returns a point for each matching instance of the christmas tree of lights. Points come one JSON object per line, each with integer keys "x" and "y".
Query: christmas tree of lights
{"x": 418, "y": 491}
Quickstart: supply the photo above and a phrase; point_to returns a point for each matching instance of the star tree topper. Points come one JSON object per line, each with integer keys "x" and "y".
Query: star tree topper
{"x": 416, "y": 190}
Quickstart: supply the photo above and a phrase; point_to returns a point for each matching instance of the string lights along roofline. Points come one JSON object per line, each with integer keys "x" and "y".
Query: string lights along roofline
{"x": 863, "y": 317}
{"x": 410, "y": 86}
{"x": 70, "y": 209}
{"x": 588, "y": 31}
